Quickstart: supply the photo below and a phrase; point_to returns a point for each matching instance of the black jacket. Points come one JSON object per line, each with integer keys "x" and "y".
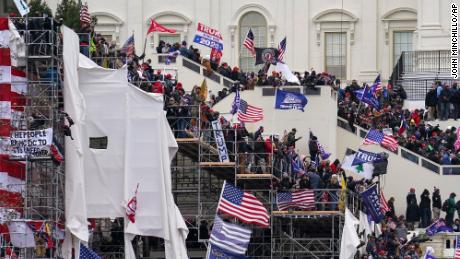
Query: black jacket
{"x": 445, "y": 95}
{"x": 437, "y": 201}
{"x": 425, "y": 202}
{"x": 412, "y": 211}
{"x": 431, "y": 99}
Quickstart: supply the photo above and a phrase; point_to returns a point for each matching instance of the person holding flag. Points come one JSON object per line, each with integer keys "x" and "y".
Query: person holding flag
{"x": 154, "y": 26}
{"x": 369, "y": 94}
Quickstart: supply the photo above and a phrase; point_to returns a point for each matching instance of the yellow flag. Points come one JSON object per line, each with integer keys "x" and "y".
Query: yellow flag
{"x": 105, "y": 62}
{"x": 343, "y": 194}
{"x": 204, "y": 90}
{"x": 47, "y": 229}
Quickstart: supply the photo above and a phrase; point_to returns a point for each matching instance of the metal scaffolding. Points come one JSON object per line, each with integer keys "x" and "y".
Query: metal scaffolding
{"x": 198, "y": 176}
{"x": 43, "y": 192}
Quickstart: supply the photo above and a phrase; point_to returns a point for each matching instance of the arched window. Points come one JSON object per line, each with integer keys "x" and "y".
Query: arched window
{"x": 258, "y": 25}
{"x": 399, "y": 27}
{"x": 108, "y": 25}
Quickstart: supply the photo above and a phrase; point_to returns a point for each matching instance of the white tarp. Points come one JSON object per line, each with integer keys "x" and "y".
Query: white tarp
{"x": 74, "y": 104}
{"x": 140, "y": 147}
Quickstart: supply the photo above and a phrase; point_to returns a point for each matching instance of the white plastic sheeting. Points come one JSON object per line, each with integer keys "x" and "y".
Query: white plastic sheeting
{"x": 140, "y": 147}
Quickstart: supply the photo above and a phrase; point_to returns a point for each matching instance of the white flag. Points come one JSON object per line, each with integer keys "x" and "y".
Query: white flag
{"x": 364, "y": 170}
{"x": 287, "y": 73}
{"x": 350, "y": 239}
{"x": 21, "y": 234}
{"x": 364, "y": 225}
{"x": 22, "y": 6}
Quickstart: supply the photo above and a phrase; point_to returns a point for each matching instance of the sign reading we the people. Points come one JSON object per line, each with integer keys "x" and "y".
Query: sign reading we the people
{"x": 31, "y": 143}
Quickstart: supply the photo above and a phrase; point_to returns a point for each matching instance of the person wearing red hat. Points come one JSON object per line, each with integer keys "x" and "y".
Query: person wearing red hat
{"x": 157, "y": 87}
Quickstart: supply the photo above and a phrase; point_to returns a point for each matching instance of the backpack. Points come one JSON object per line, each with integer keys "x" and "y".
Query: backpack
{"x": 445, "y": 206}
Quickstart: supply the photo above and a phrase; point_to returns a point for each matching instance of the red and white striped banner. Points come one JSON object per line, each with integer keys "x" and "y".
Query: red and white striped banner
{"x": 13, "y": 87}
{"x": 18, "y": 98}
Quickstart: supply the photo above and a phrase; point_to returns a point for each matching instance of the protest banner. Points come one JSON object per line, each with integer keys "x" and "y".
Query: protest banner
{"x": 208, "y": 37}
{"x": 31, "y": 143}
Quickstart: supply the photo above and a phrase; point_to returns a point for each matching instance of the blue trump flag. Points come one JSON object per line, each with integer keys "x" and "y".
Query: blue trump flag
{"x": 363, "y": 156}
{"x": 288, "y": 100}
{"x": 438, "y": 226}
{"x": 371, "y": 200}
{"x": 215, "y": 252}
{"x": 366, "y": 95}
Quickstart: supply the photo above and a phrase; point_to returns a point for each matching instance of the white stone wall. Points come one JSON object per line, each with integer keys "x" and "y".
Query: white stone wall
{"x": 369, "y": 25}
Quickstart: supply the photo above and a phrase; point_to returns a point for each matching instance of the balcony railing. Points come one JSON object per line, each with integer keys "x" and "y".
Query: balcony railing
{"x": 437, "y": 61}
{"x": 418, "y": 88}
{"x": 405, "y": 153}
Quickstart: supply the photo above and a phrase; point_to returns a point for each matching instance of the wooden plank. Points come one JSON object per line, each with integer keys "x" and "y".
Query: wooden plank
{"x": 253, "y": 176}
{"x": 217, "y": 164}
{"x": 306, "y": 213}
{"x": 186, "y": 140}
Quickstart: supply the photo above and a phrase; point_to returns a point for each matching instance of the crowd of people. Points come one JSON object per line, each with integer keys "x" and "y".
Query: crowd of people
{"x": 394, "y": 240}
{"x": 417, "y": 135}
{"x": 248, "y": 80}
{"x": 443, "y": 101}
{"x": 256, "y": 152}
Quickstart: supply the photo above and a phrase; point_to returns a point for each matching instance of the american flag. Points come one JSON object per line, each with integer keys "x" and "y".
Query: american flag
{"x": 377, "y": 137}
{"x": 86, "y": 253}
{"x": 304, "y": 199}
{"x": 230, "y": 237}
{"x": 131, "y": 207}
{"x": 249, "y": 113}
{"x": 376, "y": 86}
{"x": 457, "y": 248}
{"x": 84, "y": 14}
{"x": 249, "y": 42}
{"x": 383, "y": 203}
{"x": 281, "y": 49}
{"x": 128, "y": 46}
{"x": 243, "y": 206}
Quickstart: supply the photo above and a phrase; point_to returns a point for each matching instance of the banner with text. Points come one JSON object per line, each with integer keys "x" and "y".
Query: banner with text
{"x": 208, "y": 37}
{"x": 220, "y": 141}
{"x": 31, "y": 143}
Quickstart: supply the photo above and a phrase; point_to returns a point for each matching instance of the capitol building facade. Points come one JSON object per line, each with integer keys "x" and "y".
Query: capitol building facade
{"x": 354, "y": 39}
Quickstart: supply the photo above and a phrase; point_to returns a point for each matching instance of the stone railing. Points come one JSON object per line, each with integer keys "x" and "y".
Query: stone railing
{"x": 405, "y": 153}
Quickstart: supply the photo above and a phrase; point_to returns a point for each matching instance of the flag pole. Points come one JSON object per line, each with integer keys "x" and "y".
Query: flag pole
{"x": 273, "y": 127}
{"x": 145, "y": 46}
{"x": 220, "y": 197}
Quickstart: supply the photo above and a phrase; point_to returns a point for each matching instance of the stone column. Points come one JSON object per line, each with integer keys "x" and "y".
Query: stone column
{"x": 369, "y": 40}
{"x": 429, "y": 27}
{"x": 135, "y": 23}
